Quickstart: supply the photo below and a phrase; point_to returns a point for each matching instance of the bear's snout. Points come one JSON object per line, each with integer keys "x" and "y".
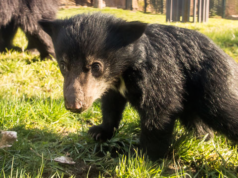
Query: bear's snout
{"x": 74, "y": 106}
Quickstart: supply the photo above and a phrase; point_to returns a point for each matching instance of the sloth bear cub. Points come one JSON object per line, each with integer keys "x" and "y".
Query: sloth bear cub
{"x": 164, "y": 72}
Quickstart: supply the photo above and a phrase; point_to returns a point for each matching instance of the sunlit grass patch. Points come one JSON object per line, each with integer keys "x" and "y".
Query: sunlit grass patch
{"x": 137, "y": 166}
{"x": 20, "y": 40}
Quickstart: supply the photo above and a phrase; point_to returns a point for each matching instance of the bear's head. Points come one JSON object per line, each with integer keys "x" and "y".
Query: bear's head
{"x": 92, "y": 52}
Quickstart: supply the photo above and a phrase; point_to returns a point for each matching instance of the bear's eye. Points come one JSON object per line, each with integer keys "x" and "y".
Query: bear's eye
{"x": 63, "y": 66}
{"x": 96, "y": 68}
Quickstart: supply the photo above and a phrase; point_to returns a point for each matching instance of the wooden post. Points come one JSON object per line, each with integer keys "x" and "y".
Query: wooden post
{"x": 188, "y": 9}
{"x": 167, "y": 10}
{"x": 171, "y": 11}
{"x": 199, "y": 10}
{"x": 183, "y": 9}
{"x": 178, "y": 11}
{"x": 203, "y": 11}
{"x": 194, "y": 10}
{"x": 174, "y": 11}
{"x": 223, "y": 8}
{"x": 208, "y": 9}
{"x": 206, "y": 12}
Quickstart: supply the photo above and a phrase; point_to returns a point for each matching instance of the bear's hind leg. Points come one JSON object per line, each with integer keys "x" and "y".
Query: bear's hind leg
{"x": 224, "y": 120}
{"x": 192, "y": 121}
{"x": 155, "y": 140}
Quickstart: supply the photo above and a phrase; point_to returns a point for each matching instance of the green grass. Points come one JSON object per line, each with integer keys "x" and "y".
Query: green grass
{"x": 31, "y": 103}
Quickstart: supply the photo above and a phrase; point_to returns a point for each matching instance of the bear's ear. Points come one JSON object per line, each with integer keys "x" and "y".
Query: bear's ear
{"x": 128, "y": 32}
{"x": 50, "y": 27}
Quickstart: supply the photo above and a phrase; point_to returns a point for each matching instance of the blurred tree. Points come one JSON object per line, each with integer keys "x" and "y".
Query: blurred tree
{"x": 215, "y": 7}
{"x": 157, "y": 5}
{"x": 145, "y": 5}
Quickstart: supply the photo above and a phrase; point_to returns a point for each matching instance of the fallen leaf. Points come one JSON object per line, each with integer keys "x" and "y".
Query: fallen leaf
{"x": 64, "y": 160}
{"x": 7, "y": 138}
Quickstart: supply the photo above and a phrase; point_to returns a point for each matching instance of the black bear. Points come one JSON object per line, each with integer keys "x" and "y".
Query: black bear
{"x": 165, "y": 72}
{"x": 26, "y": 14}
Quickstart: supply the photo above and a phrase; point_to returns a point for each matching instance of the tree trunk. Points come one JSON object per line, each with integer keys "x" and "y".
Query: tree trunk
{"x": 145, "y": 5}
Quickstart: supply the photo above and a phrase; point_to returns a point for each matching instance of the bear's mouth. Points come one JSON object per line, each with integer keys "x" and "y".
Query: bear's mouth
{"x": 76, "y": 110}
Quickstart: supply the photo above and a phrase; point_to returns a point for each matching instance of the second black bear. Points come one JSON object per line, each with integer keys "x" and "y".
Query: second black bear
{"x": 26, "y": 14}
{"x": 165, "y": 72}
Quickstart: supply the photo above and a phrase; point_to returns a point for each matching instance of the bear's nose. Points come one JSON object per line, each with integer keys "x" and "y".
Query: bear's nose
{"x": 77, "y": 105}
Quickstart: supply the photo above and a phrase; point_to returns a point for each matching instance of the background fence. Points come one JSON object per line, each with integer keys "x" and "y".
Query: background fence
{"x": 157, "y": 6}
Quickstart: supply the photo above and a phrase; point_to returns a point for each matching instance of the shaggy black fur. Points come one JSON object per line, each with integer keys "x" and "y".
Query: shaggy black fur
{"x": 165, "y": 72}
{"x": 26, "y": 14}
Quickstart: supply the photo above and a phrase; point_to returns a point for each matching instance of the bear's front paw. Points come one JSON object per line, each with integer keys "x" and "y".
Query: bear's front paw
{"x": 100, "y": 133}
